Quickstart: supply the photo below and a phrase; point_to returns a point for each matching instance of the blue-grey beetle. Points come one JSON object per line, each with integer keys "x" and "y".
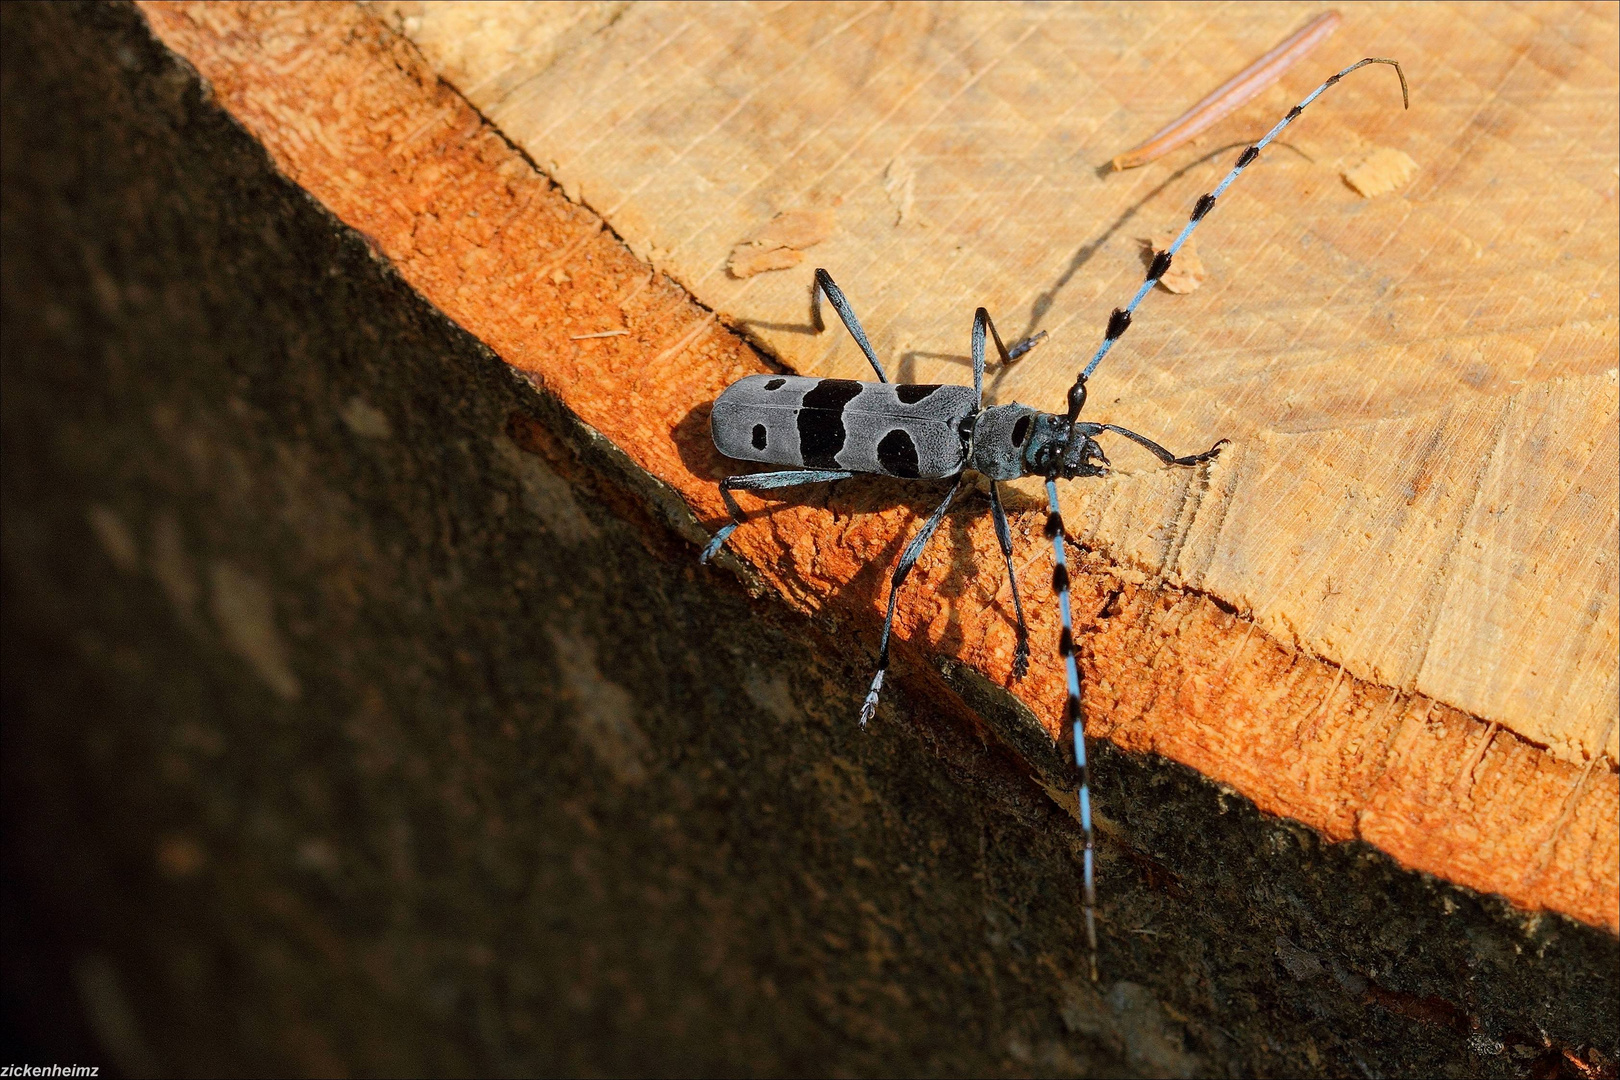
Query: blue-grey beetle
{"x": 831, "y": 429}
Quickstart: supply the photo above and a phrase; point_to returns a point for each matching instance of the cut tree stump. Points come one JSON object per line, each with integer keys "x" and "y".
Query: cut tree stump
{"x": 1407, "y": 558}
{"x": 1420, "y": 388}
{"x": 1388, "y": 612}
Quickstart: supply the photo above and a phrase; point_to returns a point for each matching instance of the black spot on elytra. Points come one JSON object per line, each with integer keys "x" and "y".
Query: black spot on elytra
{"x": 1021, "y": 431}
{"x": 821, "y": 421}
{"x": 759, "y": 437}
{"x": 898, "y": 454}
{"x": 832, "y": 394}
{"x": 776, "y": 384}
{"x": 911, "y": 393}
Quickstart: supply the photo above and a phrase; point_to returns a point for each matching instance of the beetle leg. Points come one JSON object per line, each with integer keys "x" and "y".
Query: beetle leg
{"x": 765, "y": 481}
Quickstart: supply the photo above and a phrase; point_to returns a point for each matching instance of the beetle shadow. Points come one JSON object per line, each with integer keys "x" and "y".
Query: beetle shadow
{"x": 995, "y": 372}
{"x": 815, "y": 325}
{"x": 695, "y": 446}
{"x": 868, "y": 588}
{"x": 965, "y": 591}
{"x": 960, "y": 592}
{"x": 1044, "y": 300}
{"x": 906, "y": 367}
{"x": 1085, "y": 252}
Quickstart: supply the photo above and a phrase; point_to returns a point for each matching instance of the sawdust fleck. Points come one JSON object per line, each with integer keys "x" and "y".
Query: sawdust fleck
{"x": 781, "y": 243}
{"x": 1187, "y": 271}
{"x": 1380, "y": 172}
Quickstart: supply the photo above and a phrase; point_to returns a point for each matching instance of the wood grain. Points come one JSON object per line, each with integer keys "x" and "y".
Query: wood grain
{"x": 361, "y": 120}
{"x": 1421, "y": 387}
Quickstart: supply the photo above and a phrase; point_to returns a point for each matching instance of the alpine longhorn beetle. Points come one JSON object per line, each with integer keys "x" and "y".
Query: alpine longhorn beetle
{"x": 831, "y": 429}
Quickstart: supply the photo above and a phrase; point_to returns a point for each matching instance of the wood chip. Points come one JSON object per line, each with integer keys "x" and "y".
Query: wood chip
{"x": 1186, "y": 271}
{"x": 1380, "y": 172}
{"x": 781, "y": 243}
{"x": 749, "y": 258}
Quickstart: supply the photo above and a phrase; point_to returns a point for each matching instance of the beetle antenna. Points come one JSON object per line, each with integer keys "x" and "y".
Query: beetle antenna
{"x": 1074, "y": 716}
{"x": 1120, "y": 320}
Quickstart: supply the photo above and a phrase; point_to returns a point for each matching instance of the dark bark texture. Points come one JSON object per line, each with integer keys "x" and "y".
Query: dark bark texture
{"x": 363, "y": 715}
